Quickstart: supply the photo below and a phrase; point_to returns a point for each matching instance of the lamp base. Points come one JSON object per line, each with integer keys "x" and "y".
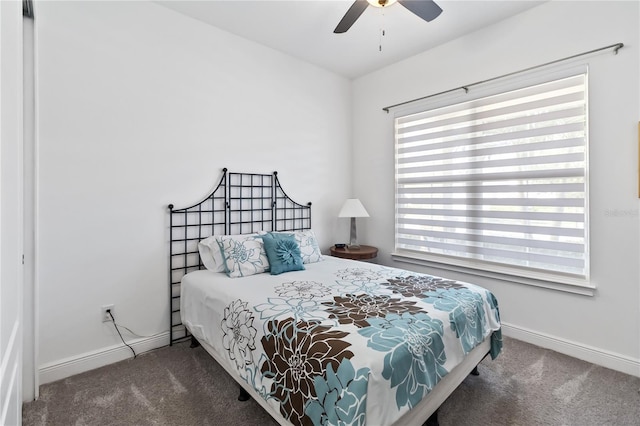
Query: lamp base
{"x": 353, "y": 236}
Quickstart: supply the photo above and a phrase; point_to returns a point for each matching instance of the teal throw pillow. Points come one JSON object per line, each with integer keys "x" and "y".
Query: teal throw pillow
{"x": 283, "y": 253}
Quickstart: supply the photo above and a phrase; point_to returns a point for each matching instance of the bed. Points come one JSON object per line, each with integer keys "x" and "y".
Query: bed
{"x": 312, "y": 338}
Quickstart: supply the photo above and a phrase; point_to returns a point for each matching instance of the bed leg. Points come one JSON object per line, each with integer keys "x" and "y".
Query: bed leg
{"x": 432, "y": 420}
{"x": 244, "y": 395}
{"x": 475, "y": 371}
{"x": 194, "y": 342}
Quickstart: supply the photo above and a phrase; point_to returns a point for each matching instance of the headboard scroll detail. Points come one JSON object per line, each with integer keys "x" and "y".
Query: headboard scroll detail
{"x": 241, "y": 203}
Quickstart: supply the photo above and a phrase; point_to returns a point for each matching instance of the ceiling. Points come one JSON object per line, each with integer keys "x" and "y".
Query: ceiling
{"x": 304, "y": 28}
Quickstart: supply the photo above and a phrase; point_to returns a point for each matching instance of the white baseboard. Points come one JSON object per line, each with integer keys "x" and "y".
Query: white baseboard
{"x": 88, "y": 361}
{"x": 597, "y": 356}
{"x": 68, "y": 367}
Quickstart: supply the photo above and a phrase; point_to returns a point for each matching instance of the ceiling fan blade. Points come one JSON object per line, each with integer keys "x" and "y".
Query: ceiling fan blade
{"x": 425, "y": 9}
{"x": 351, "y": 16}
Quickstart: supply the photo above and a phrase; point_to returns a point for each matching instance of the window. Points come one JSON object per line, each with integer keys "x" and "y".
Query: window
{"x": 498, "y": 181}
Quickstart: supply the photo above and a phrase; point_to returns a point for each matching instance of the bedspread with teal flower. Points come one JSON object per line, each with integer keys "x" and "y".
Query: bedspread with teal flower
{"x": 342, "y": 342}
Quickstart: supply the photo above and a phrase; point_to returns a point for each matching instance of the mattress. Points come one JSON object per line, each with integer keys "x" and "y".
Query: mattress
{"x": 342, "y": 342}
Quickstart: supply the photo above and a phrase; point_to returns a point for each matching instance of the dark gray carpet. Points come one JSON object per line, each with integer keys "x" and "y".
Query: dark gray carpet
{"x": 180, "y": 386}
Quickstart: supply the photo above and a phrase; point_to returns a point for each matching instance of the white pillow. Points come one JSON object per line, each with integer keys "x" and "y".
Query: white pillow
{"x": 243, "y": 255}
{"x": 210, "y": 254}
{"x": 309, "y": 248}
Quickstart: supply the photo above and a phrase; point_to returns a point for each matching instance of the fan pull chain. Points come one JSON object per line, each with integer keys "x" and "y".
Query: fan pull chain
{"x": 382, "y": 30}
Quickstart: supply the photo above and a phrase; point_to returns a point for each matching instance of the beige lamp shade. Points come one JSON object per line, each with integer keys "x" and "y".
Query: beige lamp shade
{"x": 353, "y": 208}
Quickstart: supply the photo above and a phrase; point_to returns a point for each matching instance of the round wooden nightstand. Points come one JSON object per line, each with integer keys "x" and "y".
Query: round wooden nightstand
{"x": 363, "y": 253}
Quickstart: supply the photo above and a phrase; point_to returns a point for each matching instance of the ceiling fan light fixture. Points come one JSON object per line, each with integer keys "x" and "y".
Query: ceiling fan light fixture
{"x": 428, "y": 10}
{"x": 381, "y": 3}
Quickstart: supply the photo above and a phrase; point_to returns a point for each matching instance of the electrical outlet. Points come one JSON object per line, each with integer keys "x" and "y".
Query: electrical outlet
{"x": 105, "y": 312}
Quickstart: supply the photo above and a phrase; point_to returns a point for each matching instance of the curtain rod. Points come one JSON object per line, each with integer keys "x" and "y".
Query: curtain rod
{"x": 615, "y": 48}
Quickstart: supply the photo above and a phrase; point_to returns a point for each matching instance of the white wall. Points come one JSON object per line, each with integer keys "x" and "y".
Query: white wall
{"x": 140, "y": 107}
{"x": 604, "y": 328}
{"x": 10, "y": 212}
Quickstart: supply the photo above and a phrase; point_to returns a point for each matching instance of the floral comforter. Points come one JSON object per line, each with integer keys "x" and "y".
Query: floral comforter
{"x": 343, "y": 342}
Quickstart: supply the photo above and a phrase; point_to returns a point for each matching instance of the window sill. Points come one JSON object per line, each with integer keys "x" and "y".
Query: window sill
{"x": 568, "y": 284}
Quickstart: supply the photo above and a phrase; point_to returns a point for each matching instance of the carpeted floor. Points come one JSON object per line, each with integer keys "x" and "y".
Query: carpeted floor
{"x": 526, "y": 385}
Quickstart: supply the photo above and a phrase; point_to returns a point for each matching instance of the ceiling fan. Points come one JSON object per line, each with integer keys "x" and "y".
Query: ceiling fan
{"x": 425, "y": 9}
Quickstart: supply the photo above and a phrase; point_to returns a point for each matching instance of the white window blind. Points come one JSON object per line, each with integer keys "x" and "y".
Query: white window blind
{"x": 501, "y": 179}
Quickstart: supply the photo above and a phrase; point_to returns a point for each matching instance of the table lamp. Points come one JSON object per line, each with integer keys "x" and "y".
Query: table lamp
{"x": 353, "y": 208}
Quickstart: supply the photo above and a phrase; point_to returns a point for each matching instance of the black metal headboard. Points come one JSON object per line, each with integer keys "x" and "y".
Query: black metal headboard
{"x": 242, "y": 203}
